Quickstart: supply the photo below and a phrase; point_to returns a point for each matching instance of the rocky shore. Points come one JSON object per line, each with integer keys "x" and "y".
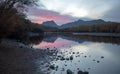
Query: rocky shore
{"x": 17, "y": 58}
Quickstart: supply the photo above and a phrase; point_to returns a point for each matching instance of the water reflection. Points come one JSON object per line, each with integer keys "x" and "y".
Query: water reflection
{"x": 58, "y": 43}
{"x": 96, "y": 55}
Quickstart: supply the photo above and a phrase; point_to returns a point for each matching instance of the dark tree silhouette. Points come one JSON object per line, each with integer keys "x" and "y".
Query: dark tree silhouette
{"x": 12, "y": 17}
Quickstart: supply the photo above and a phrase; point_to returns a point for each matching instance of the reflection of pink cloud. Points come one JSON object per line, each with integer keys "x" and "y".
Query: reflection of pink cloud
{"x": 40, "y": 15}
{"x": 52, "y": 45}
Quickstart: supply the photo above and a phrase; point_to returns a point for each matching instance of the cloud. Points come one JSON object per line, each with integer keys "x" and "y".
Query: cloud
{"x": 70, "y": 10}
{"x": 94, "y": 9}
{"x": 114, "y": 13}
{"x": 79, "y": 8}
{"x": 41, "y": 15}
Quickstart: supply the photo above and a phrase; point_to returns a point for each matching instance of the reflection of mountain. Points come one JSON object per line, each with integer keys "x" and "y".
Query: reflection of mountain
{"x": 50, "y": 39}
{"x": 72, "y": 38}
{"x": 115, "y": 40}
{"x": 78, "y": 38}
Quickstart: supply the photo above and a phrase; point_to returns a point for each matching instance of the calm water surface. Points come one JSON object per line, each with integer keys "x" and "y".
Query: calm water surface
{"x": 96, "y": 55}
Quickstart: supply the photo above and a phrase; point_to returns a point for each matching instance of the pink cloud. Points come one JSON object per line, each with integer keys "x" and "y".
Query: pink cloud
{"x": 40, "y": 15}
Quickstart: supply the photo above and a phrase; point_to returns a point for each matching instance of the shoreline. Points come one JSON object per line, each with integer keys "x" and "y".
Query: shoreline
{"x": 99, "y": 34}
{"x": 88, "y": 34}
{"x": 17, "y": 58}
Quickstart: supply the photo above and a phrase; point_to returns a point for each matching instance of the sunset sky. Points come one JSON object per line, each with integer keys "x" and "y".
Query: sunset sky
{"x": 64, "y": 11}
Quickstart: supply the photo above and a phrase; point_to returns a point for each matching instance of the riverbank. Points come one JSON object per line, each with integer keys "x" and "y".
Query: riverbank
{"x": 99, "y": 34}
{"x": 17, "y": 58}
{"x": 87, "y": 34}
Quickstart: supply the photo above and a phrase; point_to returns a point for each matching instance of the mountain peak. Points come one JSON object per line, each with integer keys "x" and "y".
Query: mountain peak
{"x": 50, "y": 24}
{"x": 80, "y": 20}
{"x": 100, "y": 20}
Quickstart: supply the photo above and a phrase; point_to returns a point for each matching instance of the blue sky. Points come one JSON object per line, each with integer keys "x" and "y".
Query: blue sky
{"x": 63, "y": 11}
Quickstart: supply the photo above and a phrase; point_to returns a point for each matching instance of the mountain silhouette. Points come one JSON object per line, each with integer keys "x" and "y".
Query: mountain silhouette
{"x": 98, "y": 25}
{"x": 49, "y": 26}
{"x": 84, "y": 23}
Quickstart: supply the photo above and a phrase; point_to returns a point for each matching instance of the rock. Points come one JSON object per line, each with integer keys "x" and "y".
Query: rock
{"x": 62, "y": 69}
{"x": 58, "y": 56}
{"x": 80, "y": 72}
{"x": 62, "y": 58}
{"x": 48, "y": 48}
{"x": 71, "y": 57}
{"x": 98, "y": 61}
{"x": 65, "y": 65}
{"x": 77, "y": 52}
{"x": 56, "y": 66}
{"x": 52, "y": 67}
{"x": 73, "y": 52}
{"x": 102, "y": 57}
{"x": 69, "y": 71}
{"x": 67, "y": 59}
{"x": 85, "y": 56}
{"x": 85, "y": 72}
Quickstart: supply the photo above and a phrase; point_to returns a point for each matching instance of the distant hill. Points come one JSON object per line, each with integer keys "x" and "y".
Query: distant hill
{"x": 84, "y": 23}
{"x": 49, "y": 26}
{"x": 91, "y": 26}
{"x": 82, "y": 26}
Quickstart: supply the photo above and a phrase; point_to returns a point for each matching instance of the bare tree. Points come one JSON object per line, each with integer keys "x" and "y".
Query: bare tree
{"x": 10, "y": 15}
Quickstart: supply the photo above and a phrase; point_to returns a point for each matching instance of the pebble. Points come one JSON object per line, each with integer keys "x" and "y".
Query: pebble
{"x": 62, "y": 58}
{"x": 67, "y": 59}
{"x": 98, "y": 61}
{"x": 71, "y": 57}
{"x": 102, "y": 57}
{"x": 81, "y": 72}
{"x": 85, "y": 56}
{"x": 52, "y": 67}
{"x": 69, "y": 71}
{"x": 77, "y": 52}
{"x": 73, "y": 52}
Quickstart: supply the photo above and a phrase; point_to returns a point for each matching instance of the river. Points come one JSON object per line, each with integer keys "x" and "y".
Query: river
{"x": 92, "y": 54}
